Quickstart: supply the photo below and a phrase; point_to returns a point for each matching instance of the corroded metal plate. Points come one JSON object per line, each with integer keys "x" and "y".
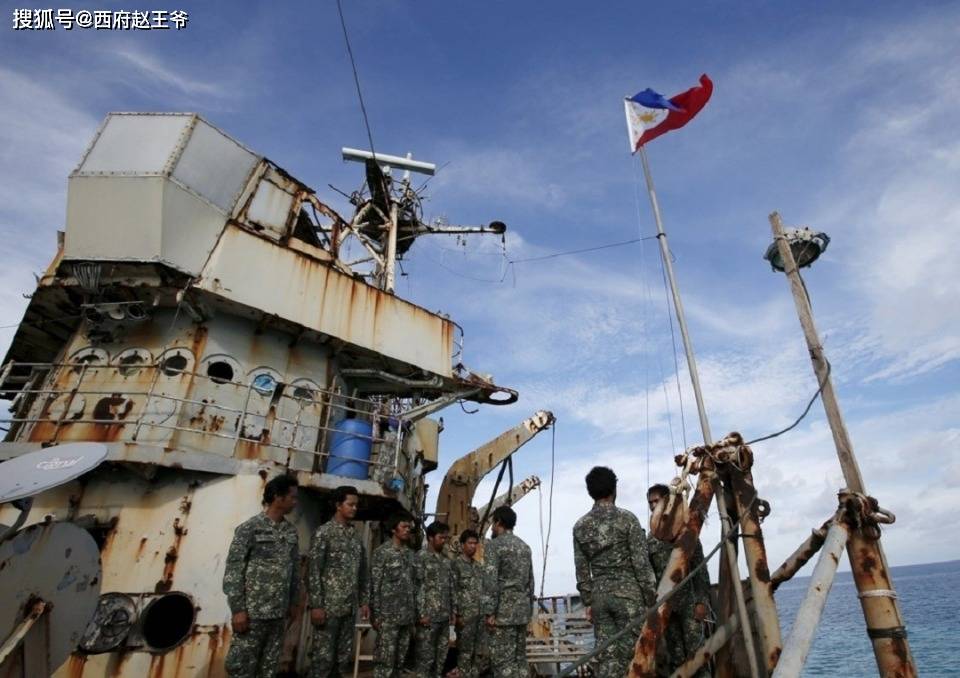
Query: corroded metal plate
{"x": 58, "y": 563}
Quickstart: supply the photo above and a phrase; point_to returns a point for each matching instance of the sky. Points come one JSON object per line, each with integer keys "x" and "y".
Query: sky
{"x": 842, "y": 116}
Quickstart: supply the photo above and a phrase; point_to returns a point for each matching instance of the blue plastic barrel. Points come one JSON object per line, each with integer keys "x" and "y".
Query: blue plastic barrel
{"x": 350, "y": 448}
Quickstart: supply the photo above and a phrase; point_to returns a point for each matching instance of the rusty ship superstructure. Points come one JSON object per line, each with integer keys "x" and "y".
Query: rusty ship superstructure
{"x": 199, "y": 321}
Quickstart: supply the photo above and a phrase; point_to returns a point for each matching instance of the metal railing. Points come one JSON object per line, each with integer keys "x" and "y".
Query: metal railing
{"x": 297, "y": 417}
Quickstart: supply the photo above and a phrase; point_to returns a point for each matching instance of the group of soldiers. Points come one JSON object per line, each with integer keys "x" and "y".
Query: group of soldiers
{"x": 417, "y": 596}
{"x": 405, "y": 595}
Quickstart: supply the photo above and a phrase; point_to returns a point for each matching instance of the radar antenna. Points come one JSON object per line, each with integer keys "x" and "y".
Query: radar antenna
{"x": 388, "y": 216}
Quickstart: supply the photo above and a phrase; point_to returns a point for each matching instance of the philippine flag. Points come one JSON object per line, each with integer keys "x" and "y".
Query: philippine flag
{"x": 650, "y": 114}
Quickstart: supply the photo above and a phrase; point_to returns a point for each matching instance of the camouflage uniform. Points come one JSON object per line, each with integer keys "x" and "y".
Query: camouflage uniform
{"x": 338, "y": 585}
{"x": 508, "y": 596}
{"x": 684, "y": 633}
{"x": 393, "y": 606}
{"x": 261, "y": 579}
{"x": 614, "y": 577}
{"x": 433, "y": 574}
{"x": 468, "y": 574}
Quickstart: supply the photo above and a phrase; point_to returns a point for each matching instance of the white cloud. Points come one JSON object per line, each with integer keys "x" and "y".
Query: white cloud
{"x": 166, "y": 76}
{"x": 42, "y": 136}
{"x": 508, "y": 174}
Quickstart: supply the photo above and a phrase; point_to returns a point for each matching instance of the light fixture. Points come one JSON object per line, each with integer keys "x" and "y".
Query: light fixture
{"x": 806, "y": 245}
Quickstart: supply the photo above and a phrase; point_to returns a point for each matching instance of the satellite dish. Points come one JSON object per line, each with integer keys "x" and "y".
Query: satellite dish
{"x": 35, "y": 472}
{"x": 59, "y": 564}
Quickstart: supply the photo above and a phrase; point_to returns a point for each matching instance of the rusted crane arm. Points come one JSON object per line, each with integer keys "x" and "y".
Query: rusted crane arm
{"x": 459, "y": 485}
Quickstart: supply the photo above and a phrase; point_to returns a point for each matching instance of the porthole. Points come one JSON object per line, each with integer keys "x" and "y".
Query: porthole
{"x": 220, "y": 371}
{"x": 167, "y": 621}
{"x": 130, "y": 361}
{"x": 175, "y": 361}
{"x": 264, "y": 384}
{"x": 89, "y": 357}
{"x": 305, "y": 391}
{"x": 174, "y": 365}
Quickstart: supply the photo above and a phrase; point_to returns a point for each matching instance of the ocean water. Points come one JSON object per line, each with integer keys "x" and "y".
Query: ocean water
{"x": 930, "y": 599}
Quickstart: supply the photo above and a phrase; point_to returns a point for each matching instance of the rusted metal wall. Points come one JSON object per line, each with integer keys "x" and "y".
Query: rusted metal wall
{"x": 166, "y": 535}
{"x": 315, "y": 295}
{"x": 97, "y": 394}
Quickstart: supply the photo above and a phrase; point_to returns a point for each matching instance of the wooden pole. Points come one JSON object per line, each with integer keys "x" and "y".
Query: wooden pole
{"x": 871, "y": 573}
{"x": 808, "y": 616}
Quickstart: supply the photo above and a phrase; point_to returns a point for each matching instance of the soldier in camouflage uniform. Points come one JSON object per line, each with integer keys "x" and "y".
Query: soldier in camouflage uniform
{"x": 433, "y": 574}
{"x": 261, "y": 582}
{"x": 393, "y": 598}
{"x": 338, "y": 585}
{"x": 468, "y": 575}
{"x": 614, "y": 575}
{"x": 508, "y": 596}
{"x": 690, "y": 606}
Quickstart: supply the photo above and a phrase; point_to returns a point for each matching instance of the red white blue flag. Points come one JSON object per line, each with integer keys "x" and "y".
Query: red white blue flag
{"x": 650, "y": 114}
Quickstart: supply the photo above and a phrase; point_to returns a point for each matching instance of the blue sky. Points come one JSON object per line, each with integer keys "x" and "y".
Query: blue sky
{"x": 842, "y": 116}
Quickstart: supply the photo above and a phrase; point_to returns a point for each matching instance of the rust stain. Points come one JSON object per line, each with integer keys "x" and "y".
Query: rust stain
{"x": 178, "y": 657}
{"x": 199, "y": 341}
{"x": 761, "y": 570}
{"x": 169, "y": 564}
{"x": 248, "y": 449}
{"x": 112, "y": 408}
{"x": 140, "y": 547}
{"x": 156, "y": 665}
{"x": 170, "y": 559}
{"x": 117, "y": 660}
{"x": 217, "y": 649}
{"x": 75, "y": 665}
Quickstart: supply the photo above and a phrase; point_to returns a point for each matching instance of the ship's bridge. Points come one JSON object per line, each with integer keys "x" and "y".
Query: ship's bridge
{"x": 197, "y": 315}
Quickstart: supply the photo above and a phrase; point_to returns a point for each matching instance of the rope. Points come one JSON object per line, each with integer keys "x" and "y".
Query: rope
{"x": 581, "y": 251}
{"x": 732, "y": 533}
{"x": 648, "y": 303}
{"x": 673, "y": 346}
{"x": 805, "y": 411}
{"x": 509, "y": 263}
{"x": 40, "y": 323}
{"x": 543, "y": 548}
{"x": 546, "y": 546}
{"x": 356, "y": 78}
{"x": 493, "y": 495}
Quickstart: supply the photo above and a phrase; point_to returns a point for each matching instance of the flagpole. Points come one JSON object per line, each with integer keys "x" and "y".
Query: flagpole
{"x": 729, "y": 548}
{"x": 677, "y": 303}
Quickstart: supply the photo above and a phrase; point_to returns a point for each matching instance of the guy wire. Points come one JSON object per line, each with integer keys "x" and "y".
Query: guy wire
{"x": 648, "y": 300}
{"x": 356, "y": 79}
{"x": 553, "y": 466}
